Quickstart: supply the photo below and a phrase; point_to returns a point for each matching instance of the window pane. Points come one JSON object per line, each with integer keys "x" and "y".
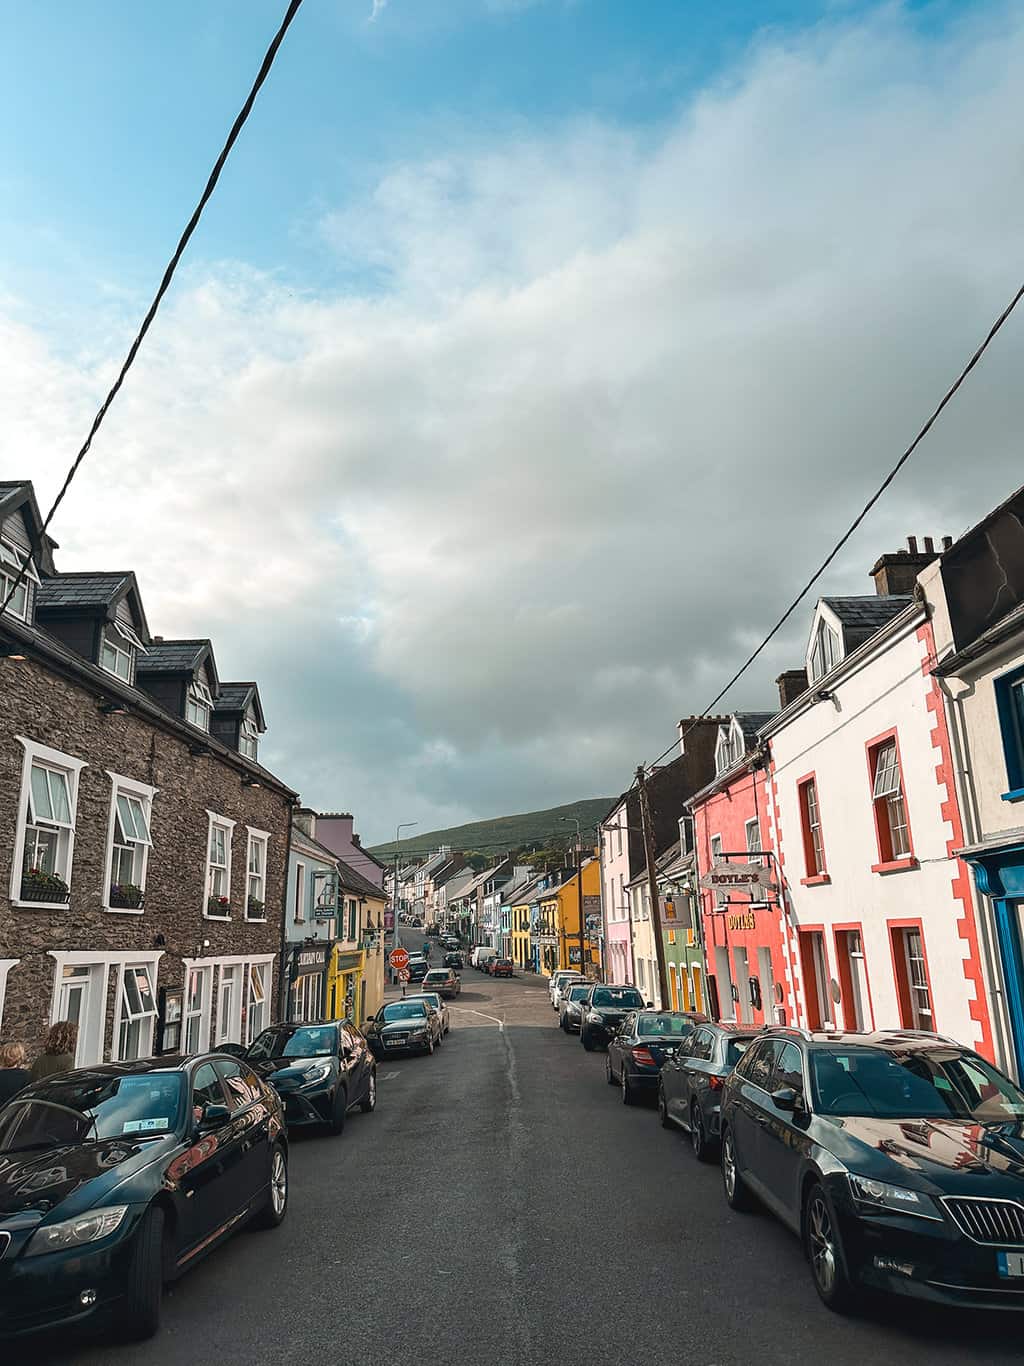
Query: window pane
{"x": 42, "y": 809}
{"x": 59, "y": 796}
{"x": 887, "y": 771}
{"x": 141, "y": 824}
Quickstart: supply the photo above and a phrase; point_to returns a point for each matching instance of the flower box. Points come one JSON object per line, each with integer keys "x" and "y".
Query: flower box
{"x": 39, "y": 886}
{"x": 255, "y": 908}
{"x": 218, "y": 906}
{"x": 124, "y": 896}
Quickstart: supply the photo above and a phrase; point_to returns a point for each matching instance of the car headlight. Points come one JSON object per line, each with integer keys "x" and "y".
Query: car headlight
{"x": 421, "y": 1034}
{"x": 86, "y": 1228}
{"x": 894, "y": 1199}
{"x": 317, "y": 1074}
{"x": 594, "y": 1018}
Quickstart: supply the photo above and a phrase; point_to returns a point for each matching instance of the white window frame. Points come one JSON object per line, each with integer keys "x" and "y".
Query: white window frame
{"x": 256, "y": 839}
{"x": 149, "y": 963}
{"x": 822, "y": 660}
{"x": 204, "y": 968}
{"x": 128, "y": 787}
{"x": 92, "y": 1032}
{"x": 12, "y": 561}
{"x": 72, "y": 767}
{"x": 5, "y": 966}
{"x": 253, "y": 971}
{"x": 299, "y": 909}
{"x": 215, "y": 818}
{"x": 249, "y": 738}
{"x": 121, "y": 647}
{"x": 200, "y": 699}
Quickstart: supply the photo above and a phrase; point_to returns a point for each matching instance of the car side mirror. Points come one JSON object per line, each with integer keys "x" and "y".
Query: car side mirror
{"x": 785, "y": 1098}
{"x": 650, "y": 1005}
{"x": 213, "y": 1117}
{"x": 236, "y": 1050}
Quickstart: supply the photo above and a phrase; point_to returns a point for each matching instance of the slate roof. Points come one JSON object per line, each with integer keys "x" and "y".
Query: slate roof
{"x": 236, "y": 697}
{"x": 18, "y": 494}
{"x": 750, "y": 723}
{"x": 82, "y": 590}
{"x": 173, "y": 656}
{"x": 353, "y": 881}
{"x": 861, "y": 617}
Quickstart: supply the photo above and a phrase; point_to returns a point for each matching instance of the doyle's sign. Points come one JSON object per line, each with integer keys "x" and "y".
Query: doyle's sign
{"x": 738, "y": 877}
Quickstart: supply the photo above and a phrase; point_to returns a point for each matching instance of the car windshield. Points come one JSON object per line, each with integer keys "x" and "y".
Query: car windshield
{"x": 622, "y": 998}
{"x": 431, "y": 998}
{"x": 654, "y": 1026}
{"x": 403, "y": 1010}
{"x": 296, "y": 1041}
{"x": 436, "y": 975}
{"x": 934, "y": 1083}
{"x": 81, "y": 1106}
{"x": 578, "y": 993}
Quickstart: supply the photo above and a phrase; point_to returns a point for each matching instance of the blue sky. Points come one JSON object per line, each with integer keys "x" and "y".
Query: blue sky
{"x": 525, "y": 361}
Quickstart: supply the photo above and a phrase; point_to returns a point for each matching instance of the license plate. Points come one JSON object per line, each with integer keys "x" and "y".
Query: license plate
{"x": 394, "y": 1043}
{"x": 1011, "y": 1264}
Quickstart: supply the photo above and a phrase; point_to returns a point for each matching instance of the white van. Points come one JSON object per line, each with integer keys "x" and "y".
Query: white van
{"x": 481, "y": 956}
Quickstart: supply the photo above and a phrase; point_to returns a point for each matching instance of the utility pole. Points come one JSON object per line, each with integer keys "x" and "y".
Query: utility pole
{"x": 652, "y": 882}
{"x": 579, "y": 890}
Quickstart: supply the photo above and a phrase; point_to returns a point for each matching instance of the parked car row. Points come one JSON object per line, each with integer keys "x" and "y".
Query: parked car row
{"x": 896, "y": 1157}
{"x": 118, "y": 1178}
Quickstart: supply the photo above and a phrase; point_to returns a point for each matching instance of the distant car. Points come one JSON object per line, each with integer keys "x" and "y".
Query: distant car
{"x": 691, "y": 1083}
{"x": 502, "y": 967}
{"x": 558, "y": 984}
{"x": 444, "y": 981}
{"x": 320, "y": 1070}
{"x": 573, "y": 996}
{"x": 417, "y": 969}
{"x": 644, "y": 1042}
{"x": 481, "y": 955}
{"x": 454, "y": 960}
{"x": 416, "y": 922}
{"x": 433, "y": 930}
{"x": 119, "y": 1177}
{"x": 603, "y": 1010}
{"x": 404, "y": 1027}
{"x": 436, "y": 1002}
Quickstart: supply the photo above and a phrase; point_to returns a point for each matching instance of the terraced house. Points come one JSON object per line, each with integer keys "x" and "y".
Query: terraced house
{"x": 143, "y": 846}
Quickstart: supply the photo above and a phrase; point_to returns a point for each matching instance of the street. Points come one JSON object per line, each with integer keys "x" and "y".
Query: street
{"x": 502, "y": 1205}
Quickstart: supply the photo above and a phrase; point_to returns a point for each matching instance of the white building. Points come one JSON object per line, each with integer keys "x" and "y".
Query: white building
{"x": 615, "y": 903}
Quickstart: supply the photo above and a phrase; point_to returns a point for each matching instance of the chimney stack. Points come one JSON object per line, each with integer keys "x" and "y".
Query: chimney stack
{"x": 896, "y": 574}
{"x": 791, "y": 684}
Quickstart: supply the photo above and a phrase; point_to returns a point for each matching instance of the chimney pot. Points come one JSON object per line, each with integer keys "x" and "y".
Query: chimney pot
{"x": 947, "y": 541}
{"x": 912, "y": 543}
{"x": 929, "y": 545}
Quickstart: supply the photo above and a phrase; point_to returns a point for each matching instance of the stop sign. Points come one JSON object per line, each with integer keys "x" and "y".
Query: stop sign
{"x": 398, "y": 958}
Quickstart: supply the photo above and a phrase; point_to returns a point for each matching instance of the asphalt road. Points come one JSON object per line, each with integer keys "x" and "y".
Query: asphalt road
{"x": 502, "y": 1206}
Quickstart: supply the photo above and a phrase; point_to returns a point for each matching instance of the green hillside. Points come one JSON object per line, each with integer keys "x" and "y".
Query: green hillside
{"x": 508, "y": 832}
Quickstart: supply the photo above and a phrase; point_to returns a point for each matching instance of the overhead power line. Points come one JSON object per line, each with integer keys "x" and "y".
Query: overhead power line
{"x": 172, "y": 265}
{"x": 946, "y": 398}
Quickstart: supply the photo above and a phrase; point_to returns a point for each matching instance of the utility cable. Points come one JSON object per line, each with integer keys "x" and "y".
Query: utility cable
{"x": 179, "y": 251}
{"x": 946, "y": 398}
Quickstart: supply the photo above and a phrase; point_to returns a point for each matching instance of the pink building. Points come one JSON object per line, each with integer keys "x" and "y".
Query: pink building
{"x": 334, "y": 829}
{"x": 618, "y": 928}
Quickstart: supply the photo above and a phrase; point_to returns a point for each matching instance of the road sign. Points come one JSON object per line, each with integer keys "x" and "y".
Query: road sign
{"x": 398, "y": 958}
{"x": 404, "y": 975}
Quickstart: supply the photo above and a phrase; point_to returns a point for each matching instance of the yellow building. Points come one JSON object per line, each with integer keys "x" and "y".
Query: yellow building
{"x": 355, "y": 970}
{"x": 520, "y": 948}
{"x": 557, "y": 934}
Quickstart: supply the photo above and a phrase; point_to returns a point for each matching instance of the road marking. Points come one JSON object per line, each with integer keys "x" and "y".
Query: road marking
{"x": 390, "y": 1076}
{"x": 493, "y": 1018}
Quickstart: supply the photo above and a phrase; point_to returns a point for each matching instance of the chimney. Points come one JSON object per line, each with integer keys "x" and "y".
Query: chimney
{"x": 790, "y": 685}
{"x": 897, "y": 573}
{"x": 304, "y": 819}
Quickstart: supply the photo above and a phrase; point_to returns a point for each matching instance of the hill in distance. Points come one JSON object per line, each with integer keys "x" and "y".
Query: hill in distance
{"x": 507, "y": 832}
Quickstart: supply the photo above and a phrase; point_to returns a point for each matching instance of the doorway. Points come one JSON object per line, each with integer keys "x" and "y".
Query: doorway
{"x": 814, "y": 966}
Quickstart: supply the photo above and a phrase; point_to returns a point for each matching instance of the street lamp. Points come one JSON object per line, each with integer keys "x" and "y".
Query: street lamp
{"x": 574, "y": 820}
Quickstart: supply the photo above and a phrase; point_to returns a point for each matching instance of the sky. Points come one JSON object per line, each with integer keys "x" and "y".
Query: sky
{"x": 529, "y": 357}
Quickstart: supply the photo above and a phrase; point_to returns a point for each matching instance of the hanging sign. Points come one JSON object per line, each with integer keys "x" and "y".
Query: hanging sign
{"x": 738, "y": 877}
{"x": 325, "y": 895}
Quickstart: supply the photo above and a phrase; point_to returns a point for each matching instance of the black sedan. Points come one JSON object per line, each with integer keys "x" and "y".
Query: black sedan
{"x": 404, "y": 1027}
{"x": 645, "y": 1041}
{"x": 118, "y": 1178}
{"x": 320, "y": 1071}
{"x": 453, "y": 960}
{"x": 897, "y": 1157}
{"x": 603, "y": 1010}
{"x": 691, "y": 1083}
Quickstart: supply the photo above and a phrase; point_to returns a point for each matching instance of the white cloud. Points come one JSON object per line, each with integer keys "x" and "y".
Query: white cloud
{"x": 486, "y": 534}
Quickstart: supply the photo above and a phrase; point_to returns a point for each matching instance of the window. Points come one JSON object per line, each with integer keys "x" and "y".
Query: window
{"x": 137, "y": 1012}
{"x": 218, "y": 868}
{"x": 197, "y": 1009}
{"x": 758, "y": 1063}
{"x": 912, "y": 983}
{"x": 130, "y": 842}
{"x": 117, "y": 655}
{"x": 240, "y": 1084}
{"x": 891, "y": 823}
{"x": 199, "y": 704}
{"x": 789, "y": 1069}
{"x": 300, "y": 893}
{"x": 249, "y": 738}
{"x": 752, "y": 830}
{"x": 826, "y": 651}
{"x": 44, "y": 840}
{"x": 256, "y": 878}
{"x": 256, "y": 1008}
{"x": 206, "y": 1089}
{"x": 11, "y": 561}
{"x": 727, "y": 750}
{"x": 1010, "y": 703}
{"x": 853, "y": 979}
{"x": 716, "y": 857}
{"x": 810, "y": 820}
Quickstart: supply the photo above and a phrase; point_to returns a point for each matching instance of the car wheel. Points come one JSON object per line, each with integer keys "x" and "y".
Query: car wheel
{"x": 339, "y": 1110}
{"x": 141, "y": 1314}
{"x": 370, "y": 1103}
{"x": 666, "y": 1123}
{"x": 825, "y": 1253}
{"x": 628, "y": 1096}
{"x": 608, "y": 1072}
{"x": 440, "y": 1038}
{"x": 586, "y": 1040}
{"x": 698, "y": 1137}
{"x": 274, "y": 1210}
{"x": 737, "y": 1193}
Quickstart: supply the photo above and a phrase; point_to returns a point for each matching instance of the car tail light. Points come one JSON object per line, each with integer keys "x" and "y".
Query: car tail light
{"x": 715, "y": 1083}
{"x": 644, "y": 1057}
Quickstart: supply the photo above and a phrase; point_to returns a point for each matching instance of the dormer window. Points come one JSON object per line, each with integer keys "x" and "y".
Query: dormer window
{"x": 117, "y": 655}
{"x": 10, "y": 567}
{"x": 728, "y": 750}
{"x": 248, "y": 738}
{"x": 826, "y": 652}
{"x": 199, "y": 704}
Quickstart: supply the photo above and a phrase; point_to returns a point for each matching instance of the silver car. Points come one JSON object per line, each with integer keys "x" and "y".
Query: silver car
{"x": 571, "y": 1016}
{"x": 432, "y": 998}
{"x": 558, "y": 985}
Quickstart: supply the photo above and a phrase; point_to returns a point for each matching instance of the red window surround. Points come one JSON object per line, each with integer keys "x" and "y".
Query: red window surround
{"x": 841, "y": 939}
{"x": 893, "y": 834}
{"x": 810, "y": 824}
{"x": 911, "y": 995}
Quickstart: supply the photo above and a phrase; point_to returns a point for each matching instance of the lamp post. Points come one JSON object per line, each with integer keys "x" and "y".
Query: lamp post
{"x": 574, "y": 820}
{"x": 405, "y": 825}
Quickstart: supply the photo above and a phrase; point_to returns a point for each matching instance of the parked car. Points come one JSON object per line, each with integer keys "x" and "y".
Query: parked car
{"x": 501, "y": 967}
{"x": 574, "y": 994}
{"x": 417, "y": 968}
{"x": 120, "y": 1177}
{"x": 643, "y": 1043}
{"x": 444, "y": 981}
{"x": 436, "y": 1003}
{"x": 320, "y": 1070}
{"x": 690, "y": 1089}
{"x": 453, "y": 960}
{"x": 559, "y": 980}
{"x": 409, "y": 1026}
{"x": 433, "y": 931}
{"x": 602, "y": 1011}
{"x": 896, "y": 1157}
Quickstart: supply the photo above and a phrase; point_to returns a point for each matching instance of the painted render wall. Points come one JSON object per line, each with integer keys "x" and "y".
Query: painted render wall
{"x": 614, "y": 878}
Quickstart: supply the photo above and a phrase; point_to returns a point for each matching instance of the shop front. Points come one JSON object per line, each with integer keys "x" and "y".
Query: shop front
{"x": 307, "y": 979}
{"x": 345, "y": 986}
{"x": 999, "y": 875}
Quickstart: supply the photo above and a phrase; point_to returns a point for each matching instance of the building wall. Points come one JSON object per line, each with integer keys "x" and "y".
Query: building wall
{"x": 615, "y": 875}
{"x": 62, "y": 715}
